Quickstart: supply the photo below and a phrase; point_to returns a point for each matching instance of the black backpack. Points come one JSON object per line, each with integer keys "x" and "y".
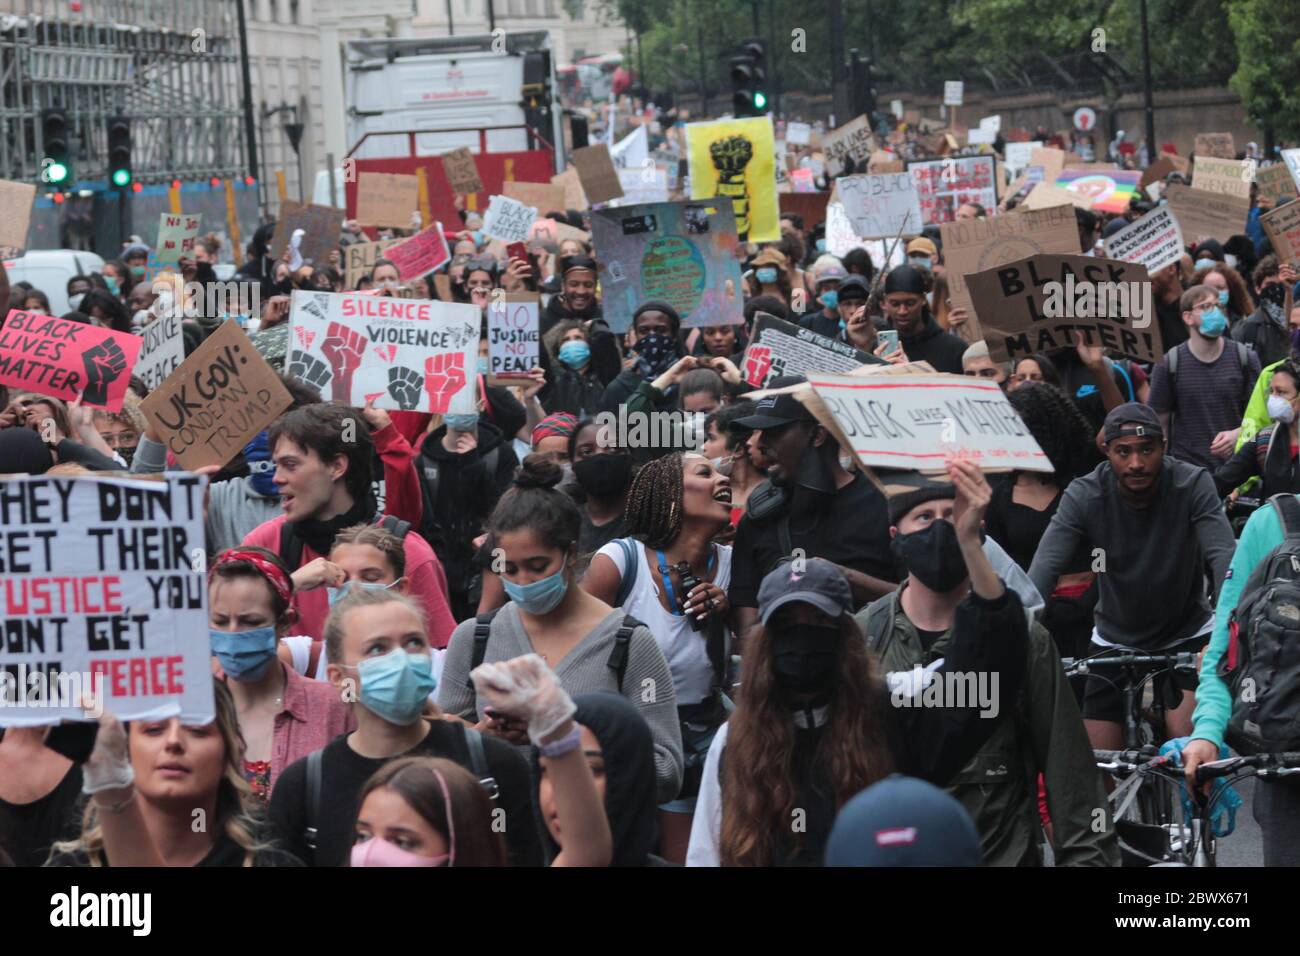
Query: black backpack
{"x": 291, "y": 545}
{"x": 1262, "y": 661}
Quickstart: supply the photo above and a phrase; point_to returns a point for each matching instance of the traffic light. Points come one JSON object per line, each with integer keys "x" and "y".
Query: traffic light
{"x": 862, "y": 79}
{"x": 56, "y": 137}
{"x": 749, "y": 80}
{"x": 119, "y": 151}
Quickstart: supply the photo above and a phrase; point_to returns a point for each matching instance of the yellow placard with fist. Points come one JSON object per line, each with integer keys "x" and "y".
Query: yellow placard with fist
{"x": 737, "y": 159}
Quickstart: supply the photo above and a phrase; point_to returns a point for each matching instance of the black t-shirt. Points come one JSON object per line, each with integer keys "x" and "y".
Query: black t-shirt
{"x": 593, "y": 537}
{"x": 850, "y": 528}
{"x": 225, "y": 852}
{"x": 28, "y": 830}
{"x": 1018, "y": 528}
{"x": 344, "y": 772}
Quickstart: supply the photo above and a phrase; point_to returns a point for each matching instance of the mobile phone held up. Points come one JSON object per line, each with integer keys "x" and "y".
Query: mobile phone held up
{"x": 889, "y": 338}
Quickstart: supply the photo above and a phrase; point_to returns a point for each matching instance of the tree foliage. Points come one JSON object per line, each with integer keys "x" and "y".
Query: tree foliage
{"x": 1268, "y": 72}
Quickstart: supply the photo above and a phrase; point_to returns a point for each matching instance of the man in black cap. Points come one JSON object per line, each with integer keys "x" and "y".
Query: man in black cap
{"x": 919, "y": 333}
{"x": 577, "y": 298}
{"x": 810, "y": 506}
{"x": 1153, "y": 526}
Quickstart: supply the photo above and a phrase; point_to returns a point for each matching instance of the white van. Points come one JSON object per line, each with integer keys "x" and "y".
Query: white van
{"x": 50, "y": 269}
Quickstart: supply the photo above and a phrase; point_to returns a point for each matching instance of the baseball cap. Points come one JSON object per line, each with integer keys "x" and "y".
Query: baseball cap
{"x": 830, "y": 272}
{"x": 818, "y": 583}
{"x": 773, "y": 411}
{"x": 1131, "y": 420}
{"x": 902, "y": 821}
{"x": 923, "y": 246}
{"x": 854, "y": 288}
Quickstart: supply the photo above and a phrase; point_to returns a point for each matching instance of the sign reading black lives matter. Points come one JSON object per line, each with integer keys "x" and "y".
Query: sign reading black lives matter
{"x": 779, "y": 348}
{"x": 1040, "y": 303}
{"x": 103, "y": 592}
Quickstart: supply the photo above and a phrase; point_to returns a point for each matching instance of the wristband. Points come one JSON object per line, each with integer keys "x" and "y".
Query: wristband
{"x": 569, "y": 742}
{"x": 117, "y": 808}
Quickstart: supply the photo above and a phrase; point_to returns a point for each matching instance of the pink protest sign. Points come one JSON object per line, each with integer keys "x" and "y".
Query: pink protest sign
{"x": 50, "y": 356}
{"x": 419, "y": 255}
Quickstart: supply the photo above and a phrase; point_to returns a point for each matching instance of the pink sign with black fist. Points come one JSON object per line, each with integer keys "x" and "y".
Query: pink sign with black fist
{"x": 61, "y": 359}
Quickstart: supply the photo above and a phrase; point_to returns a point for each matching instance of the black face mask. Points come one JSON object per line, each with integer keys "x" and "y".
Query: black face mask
{"x": 932, "y": 555}
{"x": 128, "y": 454}
{"x": 804, "y": 658}
{"x": 1275, "y": 293}
{"x": 604, "y": 476}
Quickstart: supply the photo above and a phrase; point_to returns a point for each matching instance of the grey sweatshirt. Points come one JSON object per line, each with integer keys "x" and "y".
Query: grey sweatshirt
{"x": 647, "y": 682}
{"x": 1151, "y": 562}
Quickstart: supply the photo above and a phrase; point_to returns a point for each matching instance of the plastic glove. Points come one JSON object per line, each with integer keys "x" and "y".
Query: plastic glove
{"x": 295, "y": 244}
{"x": 1222, "y": 796}
{"x": 108, "y": 767}
{"x": 525, "y": 688}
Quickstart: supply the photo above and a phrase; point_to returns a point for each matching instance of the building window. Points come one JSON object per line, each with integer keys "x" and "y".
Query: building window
{"x": 468, "y": 4}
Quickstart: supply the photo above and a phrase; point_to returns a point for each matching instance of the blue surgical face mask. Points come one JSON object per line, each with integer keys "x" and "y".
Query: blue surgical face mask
{"x": 1223, "y": 297}
{"x": 244, "y": 655}
{"x": 339, "y": 593}
{"x": 831, "y": 299}
{"x": 1203, "y": 264}
{"x": 766, "y": 275}
{"x": 821, "y": 245}
{"x": 1230, "y": 260}
{"x": 460, "y": 423}
{"x": 396, "y": 685}
{"x": 540, "y": 597}
{"x": 575, "y": 354}
{"x": 111, "y": 282}
{"x": 261, "y": 470}
{"x": 1213, "y": 322}
{"x": 484, "y": 365}
{"x": 919, "y": 262}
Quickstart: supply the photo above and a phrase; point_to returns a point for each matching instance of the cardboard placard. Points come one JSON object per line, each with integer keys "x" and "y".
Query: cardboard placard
{"x": 1107, "y": 190}
{"x": 462, "y": 171}
{"x": 1228, "y": 177}
{"x": 508, "y": 219}
{"x": 1051, "y": 159}
{"x": 681, "y": 253}
{"x": 547, "y": 234}
{"x": 15, "y": 217}
{"x": 1038, "y": 303}
{"x": 952, "y": 92}
{"x": 413, "y": 355}
{"x": 359, "y": 259}
{"x": 802, "y": 180}
{"x": 1218, "y": 145}
{"x": 1157, "y": 171}
{"x": 1283, "y": 228}
{"x": 1154, "y": 241}
{"x": 1291, "y": 157}
{"x": 387, "y": 199}
{"x": 882, "y": 161}
{"x": 514, "y": 336}
{"x": 1275, "y": 183}
{"x": 574, "y": 197}
{"x": 222, "y": 395}
{"x": 1047, "y": 195}
{"x": 547, "y": 197}
{"x": 49, "y": 356}
{"x": 852, "y": 140}
{"x": 1020, "y": 155}
{"x": 176, "y": 235}
{"x": 597, "y": 174}
{"x": 645, "y": 185}
{"x": 321, "y": 226}
{"x": 162, "y": 352}
{"x": 1207, "y": 214}
{"x": 777, "y": 348}
{"x": 974, "y": 245}
{"x": 881, "y": 207}
{"x": 108, "y": 597}
{"x": 737, "y": 159}
{"x": 943, "y": 185}
{"x": 421, "y": 254}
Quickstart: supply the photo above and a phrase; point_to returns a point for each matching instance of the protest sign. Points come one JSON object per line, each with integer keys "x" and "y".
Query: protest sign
{"x": 681, "y": 253}
{"x": 574, "y": 197}
{"x": 1046, "y": 195}
{"x": 1157, "y": 172}
{"x": 49, "y": 356}
{"x": 1202, "y": 214}
{"x": 547, "y": 197}
{"x": 778, "y": 348}
{"x": 981, "y": 137}
{"x": 176, "y": 235}
{"x": 421, "y": 254}
{"x": 15, "y": 217}
{"x": 222, "y": 395}
{"x": 1020, "y": 155}
{"x": 736, "y": 159}
{"x": 1275, "y": 183}
{"x": 508, "y": 219}
{"x": 881, "y": 207}
{"x": 597, "y": 174}
{"x": 853, "y": 141}
{"x": 974, "y": 245}
{"x": 1283, "y": 227}
{"x": 952, "y": 92}
{"x": 1229, "y": 177}
{"x": 105, "y": 597}
{"x": 162, "y": 352}
{"x": 1154, "y": 241}
{"x": 514, "y": 323}
{"x": 387, "y": 199}
{"x": 798, "y": 134}
{"x": 1106, "y": 190}
{"x": 408, "y": 354}
{"x": 882, "y": 161}
{"x": 462, "y": 171}
{"x": 1291, "y": 157}
{"x": 547, "y": 234}
{"x": 944, "y": 184}
{"x": 645, "y": 185}
{"x": 359, "y": 258}
{"x": 802, "y": 180}
{"x": 1214, "y": 144}
{"x": 632, "y": 151}
{"x": 1051, "y": 159}
{"x": 1038, "y": 303}
{"x": 321, "y": 226}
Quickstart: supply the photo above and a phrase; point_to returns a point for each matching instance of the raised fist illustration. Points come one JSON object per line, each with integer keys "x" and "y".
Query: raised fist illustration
{"x": 757, "y": 364}
{"x": 444, "y": 376}
{"x": 404, "y": 386}
{"x": 104, "y": 365}
{"x": 306, "y": 367}
{"x": 731, "y": 156}
{"x": 343, "y": 347}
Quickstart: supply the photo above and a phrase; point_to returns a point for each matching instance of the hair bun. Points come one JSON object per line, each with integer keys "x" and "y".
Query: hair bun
{"x": 538, "y": 471}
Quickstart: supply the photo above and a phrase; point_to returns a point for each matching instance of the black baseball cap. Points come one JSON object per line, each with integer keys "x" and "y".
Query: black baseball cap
{"x": 1131, "y": 420}
{"x": 812, "y": 581}
{"x": 854, "y": 288}
{"x": 774, "y": 411}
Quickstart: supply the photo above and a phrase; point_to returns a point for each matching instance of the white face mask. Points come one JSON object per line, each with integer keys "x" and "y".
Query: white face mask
{"x": 1230, "y": 260}
{"x": 74, "y": 300}
{"x": 1280, "y": 410}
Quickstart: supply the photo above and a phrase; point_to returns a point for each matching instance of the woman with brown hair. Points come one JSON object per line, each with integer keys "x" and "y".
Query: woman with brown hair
{"x": 769, "y": 275}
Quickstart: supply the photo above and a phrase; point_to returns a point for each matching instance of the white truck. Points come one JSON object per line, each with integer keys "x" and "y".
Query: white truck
{"x": 450, "y": 88}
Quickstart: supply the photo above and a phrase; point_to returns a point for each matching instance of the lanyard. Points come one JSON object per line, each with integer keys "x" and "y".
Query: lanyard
{"x": 673, "y": 606}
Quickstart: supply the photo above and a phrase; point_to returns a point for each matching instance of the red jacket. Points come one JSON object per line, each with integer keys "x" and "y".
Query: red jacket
{"x": 402, "y": 495}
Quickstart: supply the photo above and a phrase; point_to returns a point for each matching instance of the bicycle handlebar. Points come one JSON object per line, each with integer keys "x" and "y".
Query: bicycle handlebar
{"x": 1279, "y": 764}
{"x": 1184, "y": 660}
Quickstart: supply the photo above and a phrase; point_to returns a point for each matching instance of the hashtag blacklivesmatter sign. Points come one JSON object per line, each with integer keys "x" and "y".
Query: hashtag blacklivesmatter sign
{"x": 49, "y": 356}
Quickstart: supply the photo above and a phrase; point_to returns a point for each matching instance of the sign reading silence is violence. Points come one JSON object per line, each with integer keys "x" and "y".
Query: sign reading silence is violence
{"x": 49, "y": 356}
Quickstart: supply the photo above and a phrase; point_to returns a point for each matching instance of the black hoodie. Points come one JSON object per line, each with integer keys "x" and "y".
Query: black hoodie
{"x": 932, "y": 344}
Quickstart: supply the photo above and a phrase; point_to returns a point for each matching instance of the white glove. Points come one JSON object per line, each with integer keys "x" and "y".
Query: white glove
{"x": 108, "y": 767}
{"x": 526, "y": 688}
{"x": 295, "y": 243}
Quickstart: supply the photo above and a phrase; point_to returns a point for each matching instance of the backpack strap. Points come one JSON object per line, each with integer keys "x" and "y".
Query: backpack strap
{"x": 1247, "y": 386}
{"x": 478, "y": 761}
{"x": 314, "y": 761}
{"x": 631, "y": 569}
{"x": 290, "y": 547}
{"x": 619, "y": 654}
{"x": 1128, "y": 379}
{"x": 1288, "y": 513}
{"x": 482, "y": 631}
{"x": 395, "y": 525}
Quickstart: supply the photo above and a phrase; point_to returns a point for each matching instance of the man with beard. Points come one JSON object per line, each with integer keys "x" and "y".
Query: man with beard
{"x": 577, "y": 298}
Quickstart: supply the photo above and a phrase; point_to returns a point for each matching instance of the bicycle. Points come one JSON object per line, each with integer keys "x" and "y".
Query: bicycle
{"x": 1190, "y": 843}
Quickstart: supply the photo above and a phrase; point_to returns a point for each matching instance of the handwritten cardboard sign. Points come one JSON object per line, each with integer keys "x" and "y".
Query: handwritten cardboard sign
{"x": 413, "y": 355}
{"x": 359, "y": 259}
{"x": 779, "y": 348}
{"x": 881, "y": 207}
{"x": 1214, "y": 144}
{"x": 321, "y": 226}
{"x": 1275, "y": 183}
{"x": 943, "y": 185}
{"x": 421, "y": 254}
{"x": 1157, "y": 171}
{"x": 574, "y": 197}
{"x": 1283, "y": 227}
{"x": 387, "y": 199}
{"x": 1207, "y": 214}
{"x": 1154, "y": 241}
{"x": 514, "y": 323}
{"x": 462, "y": 171}
{"x": 547, "y": 234}
{"x": 15, "y": 217}
{"x": 42, "y": 354}
{"x": 162, "y": 352}
{"x": 176, "y": 235}
{"x": 221, "y": 396}
{"x": 1047, "y": 195}
{"x": 1229, "y": 177}
{"x": 547, "y": 197}
{"x": 853, "y": 141}
{"x": 1038, "y": 304}
{"x": 597, "y": 173}
{"x": 1051, "y": 159}
{"x": 104, "y": 596}
{"x": 508, "y": 219}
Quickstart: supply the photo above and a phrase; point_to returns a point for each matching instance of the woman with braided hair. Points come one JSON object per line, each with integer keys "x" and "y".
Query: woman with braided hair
{"x": 673, "y": 576}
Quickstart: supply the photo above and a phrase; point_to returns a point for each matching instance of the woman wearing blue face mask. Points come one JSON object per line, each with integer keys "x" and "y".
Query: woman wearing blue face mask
{"x": 1234, "y": 300}
{"x": 770, "y": 275}
{"x": 590, "y": 646}
{"x": 580, "y": 359}
{"x": 282, "y": 715}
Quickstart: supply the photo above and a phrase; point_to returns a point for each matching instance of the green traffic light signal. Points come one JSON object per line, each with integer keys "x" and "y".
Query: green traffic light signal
{"x": 760, "y": 100}
{"x": 121, "y": 177}
{"x": 55, "y": 172}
